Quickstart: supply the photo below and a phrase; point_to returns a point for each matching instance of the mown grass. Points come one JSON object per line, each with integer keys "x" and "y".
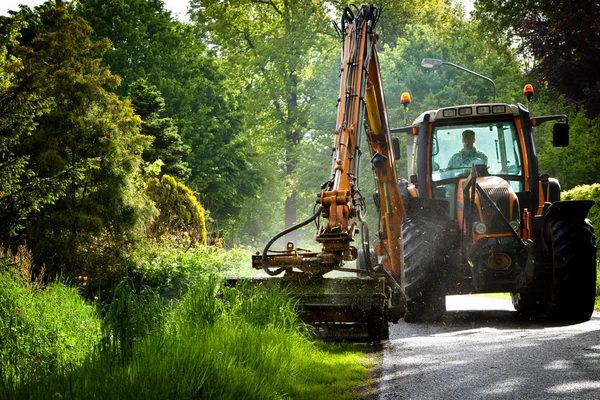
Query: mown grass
{"x": 212, "y": 343}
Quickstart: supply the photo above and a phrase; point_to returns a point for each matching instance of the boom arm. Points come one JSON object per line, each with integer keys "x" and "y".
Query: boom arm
{"x": 361, "y": 91}
{"x": 361, "y": 111}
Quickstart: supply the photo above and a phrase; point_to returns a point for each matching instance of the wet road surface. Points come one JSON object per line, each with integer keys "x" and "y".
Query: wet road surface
{"x": 482, "y": 350}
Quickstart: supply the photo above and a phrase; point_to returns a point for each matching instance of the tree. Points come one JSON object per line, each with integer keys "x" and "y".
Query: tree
{"x": 578, "y": 163}
{"x": 564, "y": 38}
{"x": 398, "y": 15}
{"x": 22, "y": 193}
{"x": 446, "y": 85}
{"x": 167, "y": 145}
{"x": 270, "y": 48}
{"x": 87, "y": 148}
{"x": 148, "y": 44}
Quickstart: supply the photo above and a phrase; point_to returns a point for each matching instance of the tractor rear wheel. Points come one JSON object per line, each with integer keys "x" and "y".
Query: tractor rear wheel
{"x": 573, "y": 249}
{"x": 424, "y": 259}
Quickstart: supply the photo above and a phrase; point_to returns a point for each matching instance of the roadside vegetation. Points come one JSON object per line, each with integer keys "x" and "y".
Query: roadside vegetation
{"x": 210, "y": 341}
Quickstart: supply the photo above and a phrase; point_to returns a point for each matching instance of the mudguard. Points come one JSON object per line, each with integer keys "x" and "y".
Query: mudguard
{"x": 577, "y": 209}
{"x": 562, "y": 210}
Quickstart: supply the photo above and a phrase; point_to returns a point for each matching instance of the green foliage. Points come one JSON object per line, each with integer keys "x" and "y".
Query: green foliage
{"x": 397, "y": 17}
{"x": 270, "y": 49}
{"x": 587, "y": 192}
{"x": 22, "y": 193}
{"x": 168, "y": 270}
{"x": 85, "y": 150}
{"x": 216, "y": 343}
{"x": 578, "y": 163}
{"x": 167, "y": 146}
{"x": 149, "y": 44}
{"x": 43, "y": 331}
{"x": 181, "y": 216}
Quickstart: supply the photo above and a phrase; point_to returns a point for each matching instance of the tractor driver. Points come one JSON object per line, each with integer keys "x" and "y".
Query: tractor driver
{"x": 469, "y": 154}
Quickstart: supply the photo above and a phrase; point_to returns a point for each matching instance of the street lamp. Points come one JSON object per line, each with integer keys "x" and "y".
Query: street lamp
{"x": 432, "y": 62}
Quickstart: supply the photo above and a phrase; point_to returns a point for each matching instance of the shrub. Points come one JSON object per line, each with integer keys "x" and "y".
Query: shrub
{"x": 168, "y": 269}
{"x": 585, "y": 192}
{"x": 181, "y": 214}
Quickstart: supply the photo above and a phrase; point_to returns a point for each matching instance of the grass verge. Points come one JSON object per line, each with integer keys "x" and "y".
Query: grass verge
{"x": 214, "y": 343}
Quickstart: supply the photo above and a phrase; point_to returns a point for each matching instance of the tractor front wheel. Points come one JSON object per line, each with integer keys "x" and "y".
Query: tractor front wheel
{"x": 573, "y": 249}
{"x": 424, "y": 266}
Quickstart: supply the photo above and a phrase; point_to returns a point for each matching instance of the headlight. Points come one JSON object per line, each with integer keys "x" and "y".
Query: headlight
{"x": 480, "y": 228}
{"x": 515, "y": 225}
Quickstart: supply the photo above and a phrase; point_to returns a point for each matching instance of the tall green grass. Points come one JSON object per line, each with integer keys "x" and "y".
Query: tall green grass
{"x": 43, "y": 331}
{"x": 213, "y": 343}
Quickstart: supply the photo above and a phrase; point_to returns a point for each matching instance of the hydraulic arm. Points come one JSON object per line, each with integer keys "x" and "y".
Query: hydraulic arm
{"x": 354, "y": 308}
{"x": 361, "y": 111}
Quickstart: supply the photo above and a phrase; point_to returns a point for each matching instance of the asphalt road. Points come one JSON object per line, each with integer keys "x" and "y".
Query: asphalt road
{"x": 483, "y": 351}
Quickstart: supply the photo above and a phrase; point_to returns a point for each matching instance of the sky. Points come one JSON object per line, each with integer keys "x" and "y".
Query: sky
{"x": 177, "y": 7}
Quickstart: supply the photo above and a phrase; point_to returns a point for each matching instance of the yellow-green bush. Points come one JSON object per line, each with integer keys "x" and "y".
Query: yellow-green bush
{"x": 181, "y": 215}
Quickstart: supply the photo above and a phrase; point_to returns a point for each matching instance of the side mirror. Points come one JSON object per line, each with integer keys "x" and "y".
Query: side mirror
{"x": 396, "y": 148}
{"x": 560, "y": 134}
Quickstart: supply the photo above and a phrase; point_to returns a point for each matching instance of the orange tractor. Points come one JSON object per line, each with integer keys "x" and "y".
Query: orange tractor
{"x": 458, "y": 224}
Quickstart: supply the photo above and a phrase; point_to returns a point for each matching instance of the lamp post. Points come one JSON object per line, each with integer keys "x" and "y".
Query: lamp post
{"x": 432, "y": 62}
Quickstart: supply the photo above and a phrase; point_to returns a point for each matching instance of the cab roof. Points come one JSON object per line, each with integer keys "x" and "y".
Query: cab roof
{"x": 455, "y": 113}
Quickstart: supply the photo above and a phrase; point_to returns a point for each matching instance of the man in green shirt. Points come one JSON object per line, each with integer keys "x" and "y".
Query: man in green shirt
{"x": 469, "y": 154}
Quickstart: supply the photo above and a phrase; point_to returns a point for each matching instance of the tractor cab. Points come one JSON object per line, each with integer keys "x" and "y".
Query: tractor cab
{"x": 471, "y": 146}
{"x": 493, "y": 147}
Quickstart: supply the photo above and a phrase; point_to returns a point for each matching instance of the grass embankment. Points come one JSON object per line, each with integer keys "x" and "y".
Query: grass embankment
{"x": 212, "y": 343}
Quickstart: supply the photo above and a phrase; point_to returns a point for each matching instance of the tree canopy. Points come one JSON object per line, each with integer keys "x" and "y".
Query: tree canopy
{"x": 22, "y": 192}
{"x": 564, "y": 39}
{"x": 167, "y": 146}
{"x": 83, "y": 150}
{"x": 270, "y": 48}
{"x": 147, "y": 43}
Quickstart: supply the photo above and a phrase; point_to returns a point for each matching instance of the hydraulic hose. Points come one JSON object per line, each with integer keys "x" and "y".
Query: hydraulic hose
{"x": 280, "y": 234}
{"x": 366, "y": 250}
